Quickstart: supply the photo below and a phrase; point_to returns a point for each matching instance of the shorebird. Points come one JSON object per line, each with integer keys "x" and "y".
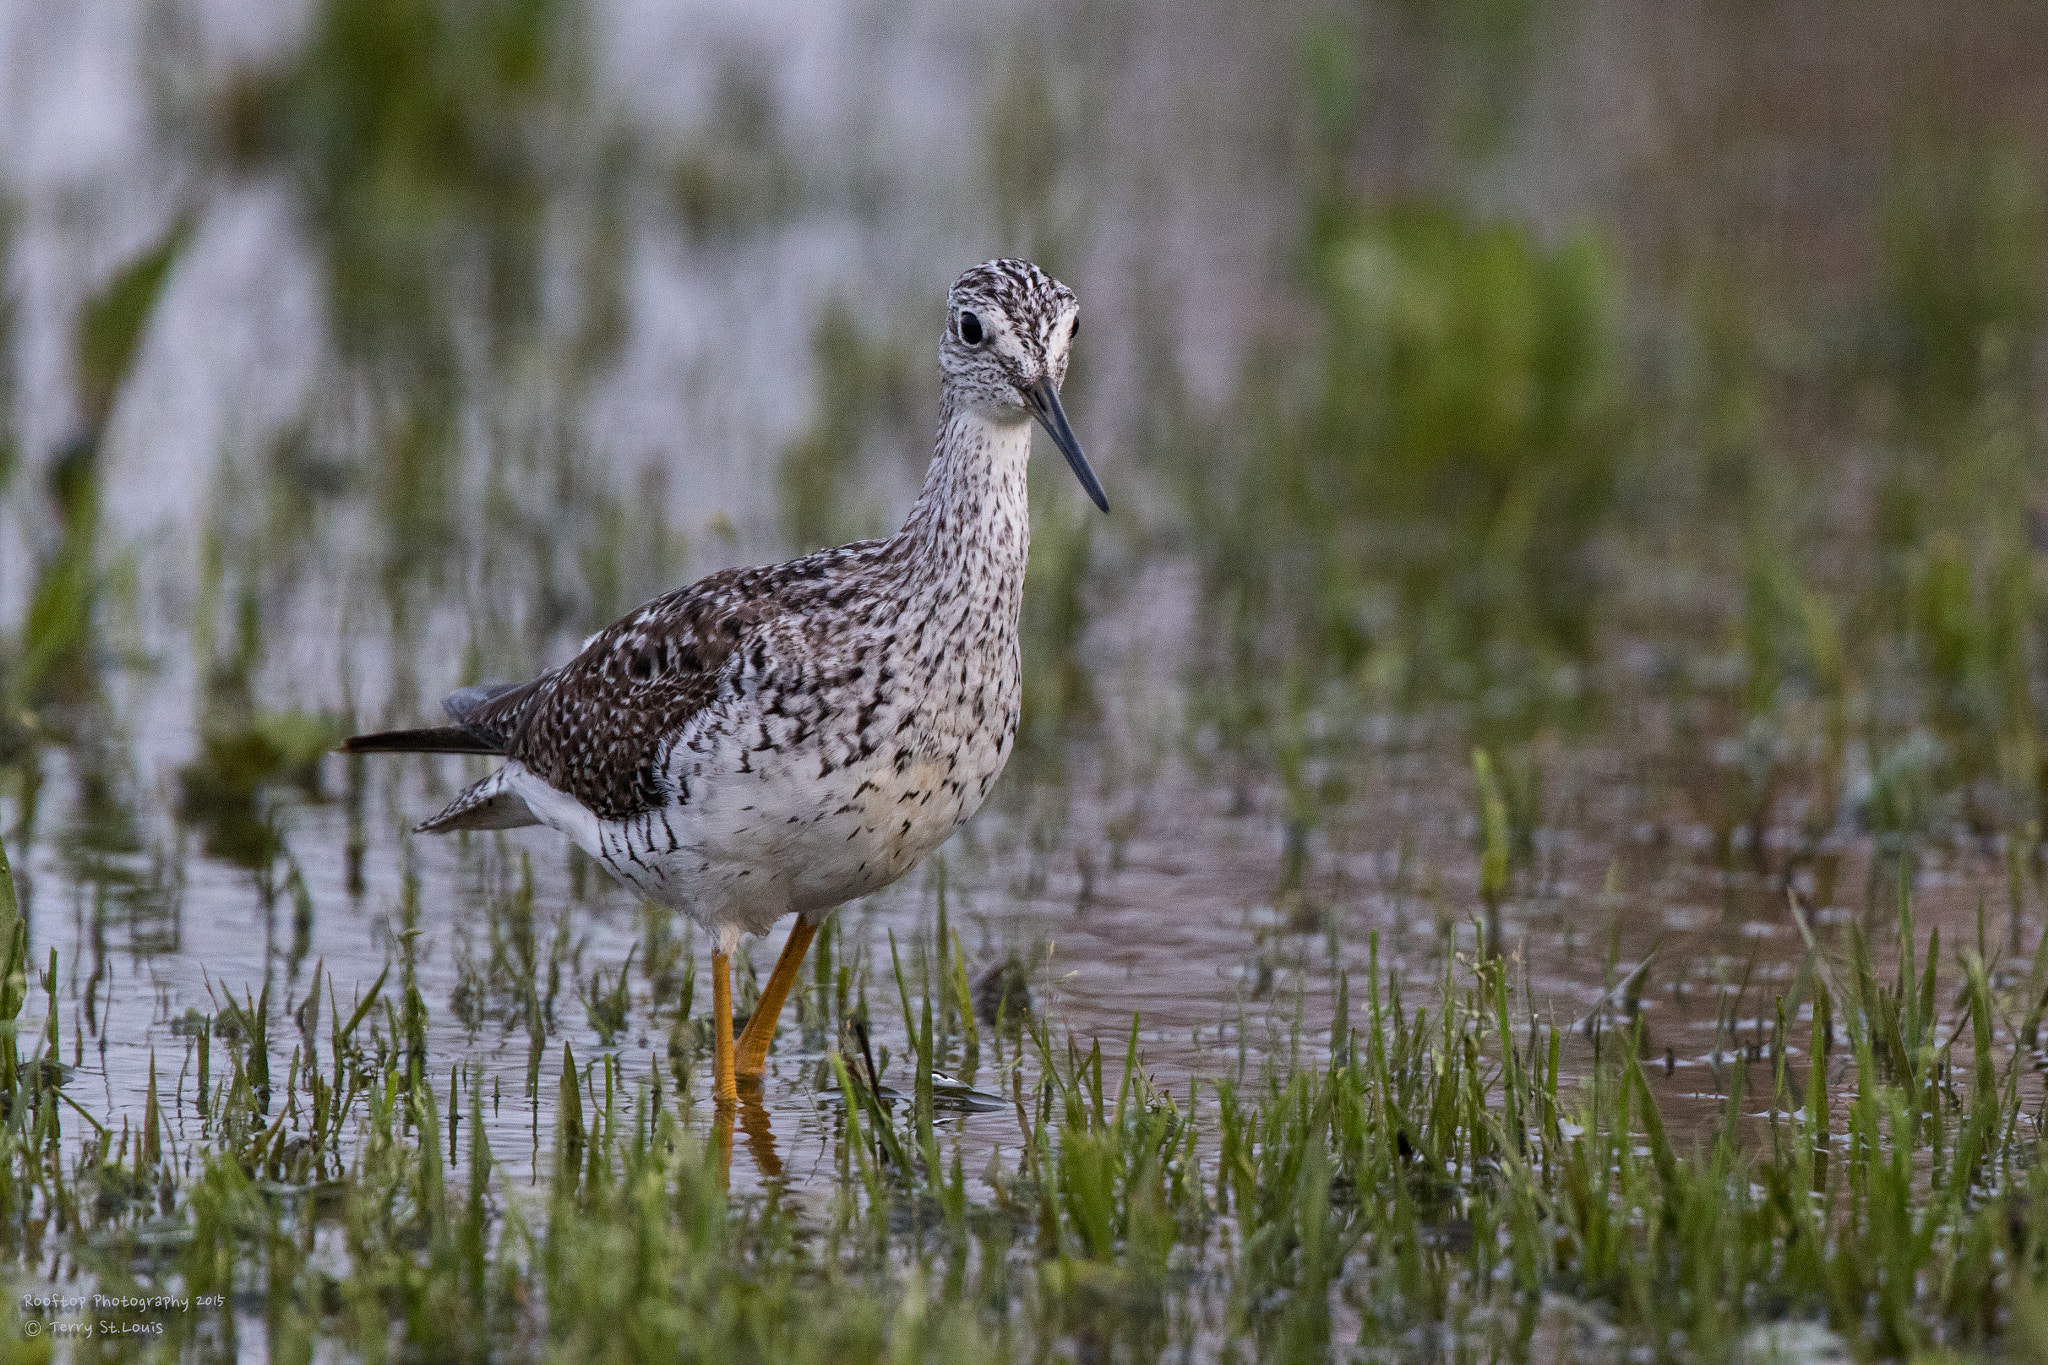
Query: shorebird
{"x": 781, "y": 740}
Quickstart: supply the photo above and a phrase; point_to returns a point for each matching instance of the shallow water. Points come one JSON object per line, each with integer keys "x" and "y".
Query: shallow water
{"x": 292, "y": 528}
{"x": 1148, "y": 906}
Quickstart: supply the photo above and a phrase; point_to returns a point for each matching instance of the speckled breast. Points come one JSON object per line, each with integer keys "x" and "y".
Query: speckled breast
{"x": 801, "y": 798}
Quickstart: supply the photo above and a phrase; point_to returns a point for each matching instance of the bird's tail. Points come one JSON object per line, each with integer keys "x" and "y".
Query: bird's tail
{"x": 439, "y": 739}
{"x": 489, "y": 804}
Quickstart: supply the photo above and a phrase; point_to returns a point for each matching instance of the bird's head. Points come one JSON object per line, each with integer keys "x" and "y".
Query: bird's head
{"x": 1009, "y": 330}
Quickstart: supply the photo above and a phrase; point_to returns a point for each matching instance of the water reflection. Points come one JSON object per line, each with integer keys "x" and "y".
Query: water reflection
{"x": 751, "y": 1117}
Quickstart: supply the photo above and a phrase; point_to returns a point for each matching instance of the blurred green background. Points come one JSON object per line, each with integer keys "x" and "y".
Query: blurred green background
{"x": 1444, "y": 339}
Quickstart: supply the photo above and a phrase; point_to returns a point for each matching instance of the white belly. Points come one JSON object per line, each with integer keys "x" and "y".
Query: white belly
{"x": 749, "y": 847}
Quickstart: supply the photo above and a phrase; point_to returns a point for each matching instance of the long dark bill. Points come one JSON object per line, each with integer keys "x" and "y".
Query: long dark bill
{"x": 1044, "y": 401}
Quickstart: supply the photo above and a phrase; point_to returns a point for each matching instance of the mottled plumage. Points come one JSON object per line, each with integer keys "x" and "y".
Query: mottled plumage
{"x": 784, "y": 739}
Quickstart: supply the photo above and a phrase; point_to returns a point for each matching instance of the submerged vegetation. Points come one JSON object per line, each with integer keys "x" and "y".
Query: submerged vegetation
{"x": 1421, "y": 1183}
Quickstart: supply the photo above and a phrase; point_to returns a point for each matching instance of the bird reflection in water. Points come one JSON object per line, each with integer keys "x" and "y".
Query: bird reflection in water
{"x": 750, "y": 1116}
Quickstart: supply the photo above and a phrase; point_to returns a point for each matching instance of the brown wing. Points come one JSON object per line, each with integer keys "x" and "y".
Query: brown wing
{"x": 594, "y": 727}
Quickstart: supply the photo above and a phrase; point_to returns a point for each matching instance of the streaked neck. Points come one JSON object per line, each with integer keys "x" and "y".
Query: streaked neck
{"x": 974, "y": 491}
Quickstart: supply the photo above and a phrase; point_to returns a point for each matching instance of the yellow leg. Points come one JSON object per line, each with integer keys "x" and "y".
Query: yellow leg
{"x": 760, "y": 1029}
{"x": 728, "y": 1090}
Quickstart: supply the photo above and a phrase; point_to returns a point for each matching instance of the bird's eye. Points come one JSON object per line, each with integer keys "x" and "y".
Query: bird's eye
{"x": 970, "y": 329}
{"x": 1074, "y": 327}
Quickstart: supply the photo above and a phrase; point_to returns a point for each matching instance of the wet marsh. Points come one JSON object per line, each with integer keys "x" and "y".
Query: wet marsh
{"x": 1527, "y": 839}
